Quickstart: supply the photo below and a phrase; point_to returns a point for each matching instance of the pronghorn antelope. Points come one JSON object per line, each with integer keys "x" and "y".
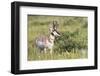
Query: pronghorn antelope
{"x": 47, "y": 42}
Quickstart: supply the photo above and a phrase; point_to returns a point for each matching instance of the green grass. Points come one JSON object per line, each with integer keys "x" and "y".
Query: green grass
{"x": 71, "y": 45}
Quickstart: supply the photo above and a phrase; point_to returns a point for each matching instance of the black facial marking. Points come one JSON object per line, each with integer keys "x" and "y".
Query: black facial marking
{"x": 52, "y": 33}
{"x": 58, "y": 32}
{"x": 55, "y": 31}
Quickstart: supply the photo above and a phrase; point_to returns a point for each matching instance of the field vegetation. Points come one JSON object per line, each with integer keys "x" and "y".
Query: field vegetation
{"x": 72, "y": 44}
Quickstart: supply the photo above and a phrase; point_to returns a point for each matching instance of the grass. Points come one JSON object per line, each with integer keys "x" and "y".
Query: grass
{"x": 55, "y": 56}
{"x": 71, "y": 45}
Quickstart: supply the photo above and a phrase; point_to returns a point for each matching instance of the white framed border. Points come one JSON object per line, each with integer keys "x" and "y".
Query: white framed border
{"x": 24, "y": 64}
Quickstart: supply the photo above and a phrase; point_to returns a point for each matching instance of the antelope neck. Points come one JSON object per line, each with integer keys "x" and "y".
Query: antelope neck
{"x": 51, "y": 38}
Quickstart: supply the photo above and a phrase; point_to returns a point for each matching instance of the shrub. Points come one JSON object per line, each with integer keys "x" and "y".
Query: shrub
{"x": 69, "y": 41}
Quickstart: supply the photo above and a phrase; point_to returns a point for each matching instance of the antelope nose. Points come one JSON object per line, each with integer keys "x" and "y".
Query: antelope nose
{"x": 58, "y": 34}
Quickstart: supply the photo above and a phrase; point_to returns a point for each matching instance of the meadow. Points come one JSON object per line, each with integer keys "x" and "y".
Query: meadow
{"x": 72, "y": 44}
